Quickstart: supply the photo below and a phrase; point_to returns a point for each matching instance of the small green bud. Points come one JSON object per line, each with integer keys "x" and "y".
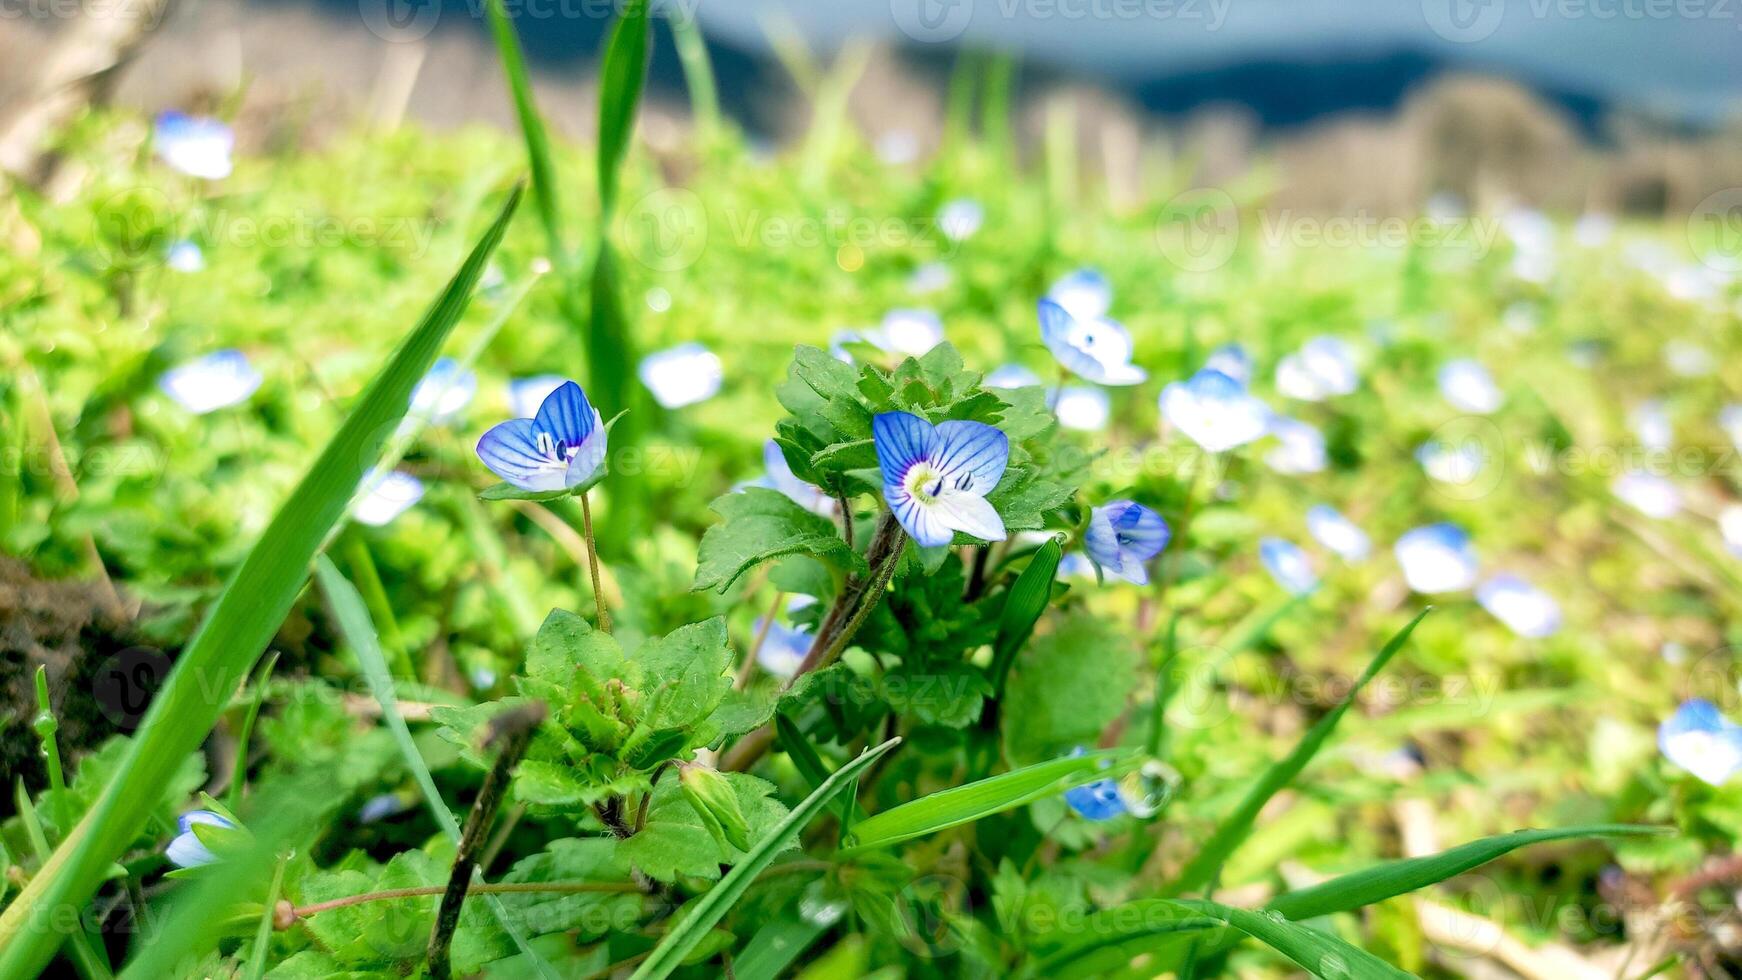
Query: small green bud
{"x": 715, "y": 802}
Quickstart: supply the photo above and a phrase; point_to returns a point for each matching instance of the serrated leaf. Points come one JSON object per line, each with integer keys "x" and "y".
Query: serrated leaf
{"x": 759, "y": 525}
{"x": 676, "y": 842}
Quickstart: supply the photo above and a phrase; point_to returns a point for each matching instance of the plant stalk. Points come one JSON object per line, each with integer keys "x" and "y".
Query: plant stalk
{"x": 604, "y": 615}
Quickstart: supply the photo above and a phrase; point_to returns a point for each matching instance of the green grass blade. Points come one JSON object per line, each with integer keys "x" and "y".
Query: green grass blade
{"x": 87, "y": 961}
{"x": 245, "y": 734}
{"x": 1022, "y": 610}
{"x": 256, "y": 968}
{"x": 1319, "y": 953}
{"x": 698, "y": 72}
{"x": 620, "y": 80}
{"x": 1383, "y": 881}
{"x": 809, "y": 764}
{"x": 974, "y": 801}
{"x": 774, "y": 946}
{"x": 237, "y": 628}
{"x": 538, "y": 157}
{"x": 1233, "y": 830}
{"x": 712, "y": 907}
{"x": 359, "y": 632}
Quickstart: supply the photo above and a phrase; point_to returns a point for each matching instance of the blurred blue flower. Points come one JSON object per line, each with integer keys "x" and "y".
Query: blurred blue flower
{"x": 1011, "y": 376}
{"x": 444, "y": 392}
{"x": 1084, "y": 294}
{"x": 929, "y": 278}
{"x": 1214, "y": 411}
{"x": 936, "y": 478}
{"x": 784, "y": 648}
{"x": 1300, "y": 447}
{"x": 959, "y": 219}
{"x": 380, "y": 807}
{"x": 185, "y": 256}
{"x": 1648, "y": 493}
{"x": 1075, "y": 564}
{"x": 1650, "y": 422}
{"x": 1524, "y": 608}
{"x": 1468, "y": 386}
{"x": 1122, "y": 535}
{"x": 217, "y": 380}
{"x": 682, "y": 375}
{"x": 1730, "y": 420}
{"x": 779, "y": 476}
{"x": 385, "y": 496}
{"x": 1232, "y": 360}
{"x": 1082, "y": 408}
{"x": 1099, "y": 800}
{"x": 1322, "y": 368}
{"x": 195, "y": 145}
{"x": 1699, "y": 739}
{"x": 1451, "y": 463}
{"x": 1436, "y": 558}
{"x": 1730, "y": 526}
{"x": 1336, "y": 532}
{"x": 559, "y": 448}
{"x": 526, "y": 394}
{"x": 186, "y": 850}
{"x": 1094, "y": 348}
{"x": 1288, "y": 564}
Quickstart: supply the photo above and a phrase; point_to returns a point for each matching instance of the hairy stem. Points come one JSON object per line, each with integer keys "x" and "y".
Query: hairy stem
{"x": 513, "y": 730}
{"x": 593, "y": 564}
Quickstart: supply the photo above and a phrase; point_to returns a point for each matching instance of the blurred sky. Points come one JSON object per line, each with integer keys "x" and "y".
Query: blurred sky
{"x": 1679, "y": 57}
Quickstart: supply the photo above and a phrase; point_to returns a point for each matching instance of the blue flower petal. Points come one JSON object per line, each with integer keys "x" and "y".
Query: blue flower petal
{"x": 901, "y": 440}
{"x": 511, "y": 451}
{"x": 919, "y": 521}
{"x": 566, "y": 415}
{"x": 1699, "y": 739}
{"x": 971, "y": 456}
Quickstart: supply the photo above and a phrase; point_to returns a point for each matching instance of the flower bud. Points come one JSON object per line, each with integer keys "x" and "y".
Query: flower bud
{"x": 715, "y": 802}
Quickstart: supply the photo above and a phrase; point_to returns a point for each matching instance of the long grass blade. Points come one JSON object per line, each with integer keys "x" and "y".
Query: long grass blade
{"x": 237, "y": 628}
{"x": 538, "y": 155}
{"x": 983, "y": 798}
{"x": 713, "y": 906}
{"x": 1233, "y": 830}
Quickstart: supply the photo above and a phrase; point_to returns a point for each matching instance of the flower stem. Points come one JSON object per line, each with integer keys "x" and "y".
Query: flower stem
{"x": 593, "y": 564}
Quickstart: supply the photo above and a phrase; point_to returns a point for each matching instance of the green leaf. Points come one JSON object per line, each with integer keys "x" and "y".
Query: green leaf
{"x": 238, "y": 627}
{"x": 620, "y": 81}
{"x": 676, "y": 841}
{"x": 538, "y": 157}
{"x": 1023, "y": 606}
{"x": 1378, "y": 883}
{"x": 687, "y": 673}
{"x": 760, "y": 525}
{"x": 684, "y": 936}
{"x": 1319, "y": 953}
{"x": 1233, "y": 829}
{"x": 965, "y": 804}
{"x": 1065, "y": 688}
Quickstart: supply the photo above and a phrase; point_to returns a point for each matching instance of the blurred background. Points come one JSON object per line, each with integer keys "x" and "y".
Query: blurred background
{"x": 1612, "y": 106}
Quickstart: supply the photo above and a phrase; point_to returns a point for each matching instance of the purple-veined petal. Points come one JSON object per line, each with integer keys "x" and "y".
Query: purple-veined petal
{"x": 970, "y": 456}
{"x": 901, "y": 439}
{"x": 919, "y": 520}
{"x": 511, "y": 450}
{"x": 566, "y": 415}
{"x": 970, "y": 514}
{"x": 525, "y": 395}
{"x": 588, "y": 455}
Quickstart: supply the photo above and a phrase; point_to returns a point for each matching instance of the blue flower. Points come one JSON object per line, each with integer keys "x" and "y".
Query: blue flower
{"x": 559, "y": 448}
{"x": 681, "y": 375}
{"x": 1730, "y": 420}
{"x": 1336, "y": 532}
{"x": 960, "y": 218}
{"x": 1468, "y": 386}
{"x": 385, "y": 496}
{"x": 194, "y": 145}
{"x": 1300, "y": 447}
{"x": 1648, "y": 493}
{"x": 929, "y": 278}
{"x": 1122, "y": 535}
{"x": 779, "y": 476}
{"x": 1323, "y": 367}
{"x": 1099, "y": 800}
{"x": 1456, "y": 464}
{"x": 1214, "y": 410}
{"x": 1094, "y": 348}
{"x": 380, "y": 807}
{"x": 206, "y": 384}
{"x": 1701, "y": 740}
{"x": 1288, "y": 564}
{"x": 1524, "y": 608}
{"x": 910, "y": 332}
{"x": 1011, "y": 376}
{"x": 784, "y": 647}
{"x": 1082, "y": 408}
{"x": 936, "y": 478}
{"x": 1437, "y": 558}
{"x": 185, "y": 256}
{"x": 526, "y": 394}
{"x": 1084, "y": 294}
{"x": 444, "y": 392}
{"x": 1232, "y": 360}
{"x": 1730, "y": 526}
{"x": 1650, "y": 422}
{"x": 186, "y": 850}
